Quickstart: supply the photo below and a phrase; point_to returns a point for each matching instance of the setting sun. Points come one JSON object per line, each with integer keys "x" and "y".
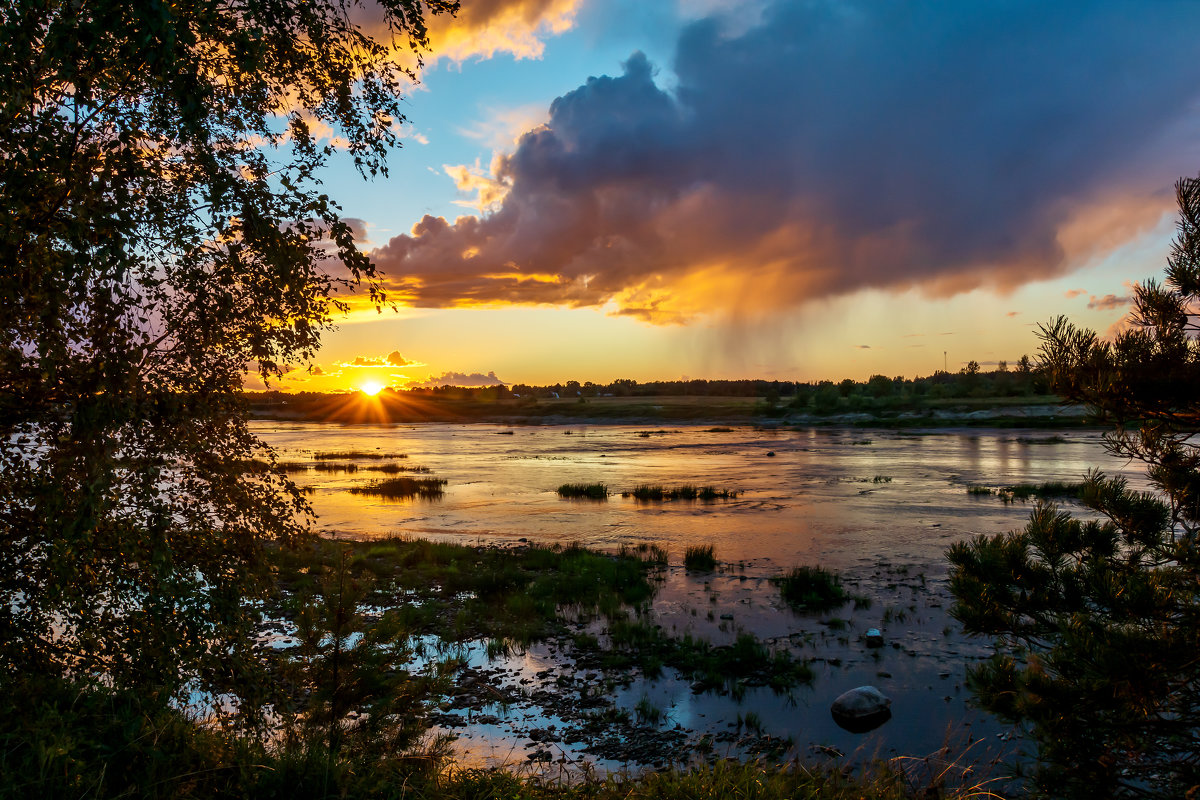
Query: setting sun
{"x": 372, "y": 388}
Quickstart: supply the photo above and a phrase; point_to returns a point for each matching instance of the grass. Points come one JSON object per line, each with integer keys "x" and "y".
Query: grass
{"x": 701, "y": 558}
{"x": 647, "y": 552}
{"x": 341, "y": 455}
{"x": 68, "y": 740}
{"x": 1024, "y": 491}
{"x": 522, "y": 595}
{"x": 686, "y": 492}
{"x": 812, "y": 588}
{"x": 402, "y": 488}
{"x": 590, "y": 491}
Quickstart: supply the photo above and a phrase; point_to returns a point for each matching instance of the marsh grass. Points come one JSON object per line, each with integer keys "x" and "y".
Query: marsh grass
{"x": 812, "y": 588}
{"x": 333, "y": 466}
{"x": 589, "y": 491}
{"x": 402, "y": 488}
{"x": 647, "y": 552}
{"x": 650, "y": 492}
{"x": 459, "y": 593}
{"x": 1024, "y": 491}
{"x": 700, "y": 558}
{"x": 364, "y": 455}
{"x": 394, "y": 469}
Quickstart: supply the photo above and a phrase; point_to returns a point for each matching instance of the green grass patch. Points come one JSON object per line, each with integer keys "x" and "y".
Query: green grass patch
{"x": 650, "y": 492}
{"x": 365, "y": 455}
{"x": 590, "y": 491}
{"x": 813, "y": 588}
{"x": 402, "y": 488}
{"x": 701, "y": 558}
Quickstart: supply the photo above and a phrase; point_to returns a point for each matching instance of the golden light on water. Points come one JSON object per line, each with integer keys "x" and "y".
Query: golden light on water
{"x": 372, "y": 388}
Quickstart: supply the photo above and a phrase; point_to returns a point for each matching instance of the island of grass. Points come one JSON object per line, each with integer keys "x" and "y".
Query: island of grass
{"x": 811, "y": 589}
{"x": 402, "y": 488}
{"x": 365, "y": 455}
{"x": 1024, "y": 491}
{"x": 700, "y": 558}
{"x": 686, "y": 492}
{"x": 589, "y": 491}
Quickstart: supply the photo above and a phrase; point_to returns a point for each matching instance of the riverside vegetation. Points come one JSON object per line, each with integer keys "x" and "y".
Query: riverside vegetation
{"x": 338, "y": 641}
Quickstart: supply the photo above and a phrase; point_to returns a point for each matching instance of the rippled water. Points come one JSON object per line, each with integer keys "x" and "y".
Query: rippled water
{"x": 881, "y": 507}
{"x": 814, "y": 501}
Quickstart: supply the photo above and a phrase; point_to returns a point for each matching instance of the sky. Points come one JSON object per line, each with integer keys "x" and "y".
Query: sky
{"x": 782, "y": 189}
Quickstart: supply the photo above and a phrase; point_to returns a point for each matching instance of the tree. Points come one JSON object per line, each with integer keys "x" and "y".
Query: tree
{"x": 1099, "y": 620}
{"x": 163, "y": 233}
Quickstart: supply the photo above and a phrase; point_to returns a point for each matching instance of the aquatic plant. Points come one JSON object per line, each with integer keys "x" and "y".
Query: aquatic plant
{"x": 591, "y": 491}
{"x": 701, "y": 558}
{"x": 685, "y": 492}
{"x": 1024, "y": 491}
{"x": 341, "y": 455}
{"x": 402, "y": 488}
{"x": 812, "y": 588}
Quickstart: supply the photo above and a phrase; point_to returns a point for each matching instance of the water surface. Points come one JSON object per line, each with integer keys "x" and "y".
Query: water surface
{"x": 878, "y": 506}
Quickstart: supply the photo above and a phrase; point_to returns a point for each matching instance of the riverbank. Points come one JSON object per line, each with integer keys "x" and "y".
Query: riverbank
{"x": 543, "y": 642}
{"x": 1041, "y": 411}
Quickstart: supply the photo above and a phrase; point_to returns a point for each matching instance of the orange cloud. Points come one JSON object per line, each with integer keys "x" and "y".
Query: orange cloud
{"x": 1108, "y": 302}
{"x": 458, "y": 379}
{"x": 484, "y": 28}
{"x": 392, "y": 359}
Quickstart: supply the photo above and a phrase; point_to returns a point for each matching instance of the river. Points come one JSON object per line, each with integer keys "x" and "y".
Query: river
{"x": 878, "y": 506}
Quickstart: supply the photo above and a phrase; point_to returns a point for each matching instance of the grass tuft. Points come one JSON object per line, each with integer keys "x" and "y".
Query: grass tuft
{"x": 812, "y": 588}
{"x": 686, "y": 492}
{"x": 701, "y": 558}
{"x": 402, "y": 488}
{"x": 590, "y": 491}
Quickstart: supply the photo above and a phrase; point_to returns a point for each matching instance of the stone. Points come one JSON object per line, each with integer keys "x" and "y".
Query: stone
{"x": 862, "y": 709}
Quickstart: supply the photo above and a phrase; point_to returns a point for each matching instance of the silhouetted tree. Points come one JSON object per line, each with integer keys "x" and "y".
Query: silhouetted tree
{"x": 163, "y": 233}
{"x": 1099, "y": 620}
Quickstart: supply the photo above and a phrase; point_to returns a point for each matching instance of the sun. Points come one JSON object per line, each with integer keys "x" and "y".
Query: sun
{"x": 372, "y": 388}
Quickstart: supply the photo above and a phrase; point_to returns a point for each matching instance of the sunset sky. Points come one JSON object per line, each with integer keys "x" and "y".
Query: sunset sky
{"x": 601, "y": 189}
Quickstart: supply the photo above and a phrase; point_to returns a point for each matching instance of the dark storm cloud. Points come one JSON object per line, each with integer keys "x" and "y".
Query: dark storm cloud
{"x": 835, "y": 146}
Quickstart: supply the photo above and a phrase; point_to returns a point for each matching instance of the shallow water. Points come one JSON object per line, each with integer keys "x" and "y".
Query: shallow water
{"x": 880, "y": 507}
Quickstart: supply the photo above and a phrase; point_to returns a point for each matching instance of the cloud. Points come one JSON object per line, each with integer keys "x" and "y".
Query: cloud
{"x": 392, "y": 359}
{"x": 502, "y": 128}
{"x": 1012, "y": 314}
{"x": 488, "y": 191}
{"x": 485, "y": 28}
{"x": 1073, "y": 293}
{"x": 1108, "y": 302}
{"x": 458, "y": 379}
{"x": 863, "y": 346}
{"x": 316, "y": 370}
{"x": 831, "y": 148}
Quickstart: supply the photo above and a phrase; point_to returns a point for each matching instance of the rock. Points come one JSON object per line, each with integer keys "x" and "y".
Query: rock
{"x": 874, "y": 638}
{"x": 862, "y": 709}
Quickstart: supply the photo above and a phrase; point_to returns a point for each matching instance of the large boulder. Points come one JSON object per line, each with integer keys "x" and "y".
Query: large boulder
{"x": 862, "y": 709}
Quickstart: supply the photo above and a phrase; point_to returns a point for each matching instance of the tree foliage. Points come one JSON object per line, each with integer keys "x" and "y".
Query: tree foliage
{"x": 163, "y": 233}
{"x": 1099, "y": 619}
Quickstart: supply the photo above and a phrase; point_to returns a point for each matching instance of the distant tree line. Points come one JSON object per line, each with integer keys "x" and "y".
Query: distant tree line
{"x": 1021, "y": 380}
